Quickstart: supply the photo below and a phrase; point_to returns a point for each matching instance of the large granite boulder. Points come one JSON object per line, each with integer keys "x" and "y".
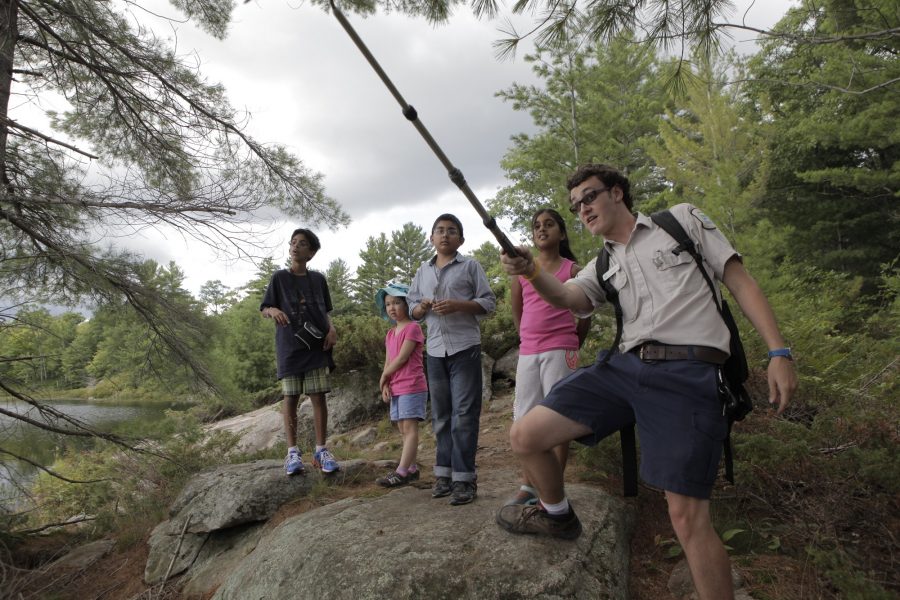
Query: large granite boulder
{"x": 256, "y": 431}
{"x": 221, "y": 499}
{"x": 407, "y": 545}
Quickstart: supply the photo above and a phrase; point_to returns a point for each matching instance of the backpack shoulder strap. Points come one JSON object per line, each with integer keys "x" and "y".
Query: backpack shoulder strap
{"x": 602, "y": 266}
{"x": 626, "y": 434}
{"x": 612, "y": 296}
{"x": 667, "y": 221}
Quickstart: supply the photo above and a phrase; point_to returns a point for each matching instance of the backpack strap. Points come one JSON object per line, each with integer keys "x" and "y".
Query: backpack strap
{"x": 612, "y": 296}
{"x": 626, "y": 434}
{"x": 667, "y": 221}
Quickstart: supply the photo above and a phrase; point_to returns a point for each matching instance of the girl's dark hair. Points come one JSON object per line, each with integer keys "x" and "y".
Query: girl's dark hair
{"x": 312, "y": 238}
{"x": 564, "y": 249}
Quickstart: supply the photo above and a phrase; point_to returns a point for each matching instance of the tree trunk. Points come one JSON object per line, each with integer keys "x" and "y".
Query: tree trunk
{"x": 9, "y": 34}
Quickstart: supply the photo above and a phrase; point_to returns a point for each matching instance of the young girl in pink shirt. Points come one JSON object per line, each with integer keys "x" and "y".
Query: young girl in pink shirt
{"x": 402, "y": 382}
{"x": 549, "y": 337}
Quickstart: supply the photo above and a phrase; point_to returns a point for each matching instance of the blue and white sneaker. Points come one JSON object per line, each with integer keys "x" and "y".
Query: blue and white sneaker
{"x": 293, "y": 464}
{"x": 323, "y": 459}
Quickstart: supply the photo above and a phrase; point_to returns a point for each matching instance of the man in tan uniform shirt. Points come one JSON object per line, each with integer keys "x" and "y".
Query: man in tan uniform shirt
{"x": 674, "y": 402}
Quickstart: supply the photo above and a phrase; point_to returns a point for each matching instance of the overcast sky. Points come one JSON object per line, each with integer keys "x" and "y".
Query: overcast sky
{"x": 306, "y": 86}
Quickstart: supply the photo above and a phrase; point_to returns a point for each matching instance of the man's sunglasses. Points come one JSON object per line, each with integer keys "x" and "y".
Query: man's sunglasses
{"x": 588, "y": 198}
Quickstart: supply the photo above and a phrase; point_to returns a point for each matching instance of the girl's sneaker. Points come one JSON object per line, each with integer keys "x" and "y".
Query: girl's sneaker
{"x": 393, "y": 479}
{"x": 293, "y": 464}
{"x": 323, "y": 459}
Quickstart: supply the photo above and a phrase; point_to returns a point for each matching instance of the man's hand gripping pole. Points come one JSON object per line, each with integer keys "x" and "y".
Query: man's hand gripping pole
{"x": 409, "y": 112}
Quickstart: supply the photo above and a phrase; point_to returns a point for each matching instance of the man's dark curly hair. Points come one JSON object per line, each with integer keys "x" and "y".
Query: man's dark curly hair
{"x": 610, "y": 176}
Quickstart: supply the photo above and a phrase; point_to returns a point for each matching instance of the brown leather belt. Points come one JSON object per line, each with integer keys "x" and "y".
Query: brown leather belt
{"x": 651, "y": 351}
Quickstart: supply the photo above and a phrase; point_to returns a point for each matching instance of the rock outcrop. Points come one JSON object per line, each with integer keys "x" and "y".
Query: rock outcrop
{"x": 354, "y": 401}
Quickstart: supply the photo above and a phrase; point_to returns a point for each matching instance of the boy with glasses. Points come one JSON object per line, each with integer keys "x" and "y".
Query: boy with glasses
{"x": 663, "y": 378}
{"x": 297, "y": 299}
{"x": 451, "y": 292}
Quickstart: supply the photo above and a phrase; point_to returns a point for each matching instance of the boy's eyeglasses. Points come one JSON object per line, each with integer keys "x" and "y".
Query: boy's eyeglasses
{"x": 451, "y": 231}
{"x": 588, "y": 198}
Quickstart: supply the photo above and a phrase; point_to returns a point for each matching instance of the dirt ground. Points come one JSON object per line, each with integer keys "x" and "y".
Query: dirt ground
{"x": 118, "y": 576}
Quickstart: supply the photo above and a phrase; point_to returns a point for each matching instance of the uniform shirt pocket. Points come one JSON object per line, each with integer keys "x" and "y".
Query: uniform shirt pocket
{"x": 674, "y": 271}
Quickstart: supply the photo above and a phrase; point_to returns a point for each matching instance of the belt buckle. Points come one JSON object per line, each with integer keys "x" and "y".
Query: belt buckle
{"x": 641, "y": 351}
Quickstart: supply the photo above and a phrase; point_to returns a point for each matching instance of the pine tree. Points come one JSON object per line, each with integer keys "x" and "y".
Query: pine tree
{"x": 340, "y": 286}
{"x": 411, "y": 249}
{"x": 378, "y": 268}
{"x": 831, "y": 114}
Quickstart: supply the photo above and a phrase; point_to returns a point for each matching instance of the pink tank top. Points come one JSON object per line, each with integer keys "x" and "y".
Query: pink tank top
{"x": 544, "y": 327}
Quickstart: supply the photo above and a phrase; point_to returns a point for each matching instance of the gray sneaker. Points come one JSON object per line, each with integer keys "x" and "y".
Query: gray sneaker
{"x": 520, "y": 518}
{"x": 441, "y": 487}
{"x": 463, "y": 492}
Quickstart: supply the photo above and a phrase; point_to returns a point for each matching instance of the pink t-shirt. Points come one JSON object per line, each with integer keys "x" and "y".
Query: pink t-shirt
{"x": 410, "y": 378}
{"x": 544, "y": 327}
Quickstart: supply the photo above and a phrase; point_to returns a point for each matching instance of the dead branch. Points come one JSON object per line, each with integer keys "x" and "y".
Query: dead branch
{"x": 49, "y": 471}
{"x": 73, "y": 521}
{"x": 33, "y": 132}
{"x": 162, "y": 585}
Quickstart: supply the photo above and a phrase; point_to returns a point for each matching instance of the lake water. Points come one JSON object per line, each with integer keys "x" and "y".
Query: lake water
{"x": 43, "y": 447}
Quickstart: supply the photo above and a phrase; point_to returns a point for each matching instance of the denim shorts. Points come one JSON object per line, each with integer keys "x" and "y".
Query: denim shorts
{"x": 676, "y": 407}
{"x": 408, "y": 406}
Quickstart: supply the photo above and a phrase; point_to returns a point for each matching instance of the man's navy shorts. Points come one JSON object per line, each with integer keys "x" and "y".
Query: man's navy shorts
{"x": 675, "y": 404}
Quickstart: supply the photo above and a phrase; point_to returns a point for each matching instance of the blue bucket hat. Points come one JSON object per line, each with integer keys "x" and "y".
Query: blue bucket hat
{"x": 391, "y": 289}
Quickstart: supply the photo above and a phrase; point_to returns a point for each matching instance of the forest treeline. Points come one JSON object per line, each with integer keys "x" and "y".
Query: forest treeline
{"x": 794, "y": 152}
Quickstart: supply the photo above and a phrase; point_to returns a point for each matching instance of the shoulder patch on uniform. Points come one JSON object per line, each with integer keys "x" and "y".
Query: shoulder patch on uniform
{"x": 705, "y": 221}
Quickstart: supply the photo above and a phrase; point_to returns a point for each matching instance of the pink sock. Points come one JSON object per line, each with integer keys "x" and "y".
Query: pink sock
{"x": 402, "y": 472}
{"x": 412, "y": 468}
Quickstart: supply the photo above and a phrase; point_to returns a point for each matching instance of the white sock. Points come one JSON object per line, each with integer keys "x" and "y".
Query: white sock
{"x": 320, "y": 448}
{"x": 294, "y": 450}
{"x": 560, "y": 508}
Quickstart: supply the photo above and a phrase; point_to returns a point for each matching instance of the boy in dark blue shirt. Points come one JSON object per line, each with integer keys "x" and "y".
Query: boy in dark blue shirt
{"x": 298, "y": 301}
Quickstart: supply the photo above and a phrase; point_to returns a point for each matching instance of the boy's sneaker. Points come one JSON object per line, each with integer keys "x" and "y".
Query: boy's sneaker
{"x": 519, "y": 518}
{"x": 441, "y": 487}
{"x": 412, "y": 475}
{"x": 463, "y": 492}
{"x": 394, "y": 479}
{"x": 293, "y": 464}
{"x": 324, "y": 460}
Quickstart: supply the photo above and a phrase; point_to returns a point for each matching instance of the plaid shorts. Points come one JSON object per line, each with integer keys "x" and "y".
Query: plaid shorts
{"x": 317, "y": 381}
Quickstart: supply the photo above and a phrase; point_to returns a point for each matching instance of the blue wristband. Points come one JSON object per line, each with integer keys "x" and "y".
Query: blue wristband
{"x": 784, "y": 352}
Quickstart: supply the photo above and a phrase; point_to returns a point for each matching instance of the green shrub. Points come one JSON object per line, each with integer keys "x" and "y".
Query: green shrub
{"x": 360, "y": 343}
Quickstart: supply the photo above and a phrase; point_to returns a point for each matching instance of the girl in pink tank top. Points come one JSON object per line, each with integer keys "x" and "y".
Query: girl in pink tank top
{"x": 550, "y": 337}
